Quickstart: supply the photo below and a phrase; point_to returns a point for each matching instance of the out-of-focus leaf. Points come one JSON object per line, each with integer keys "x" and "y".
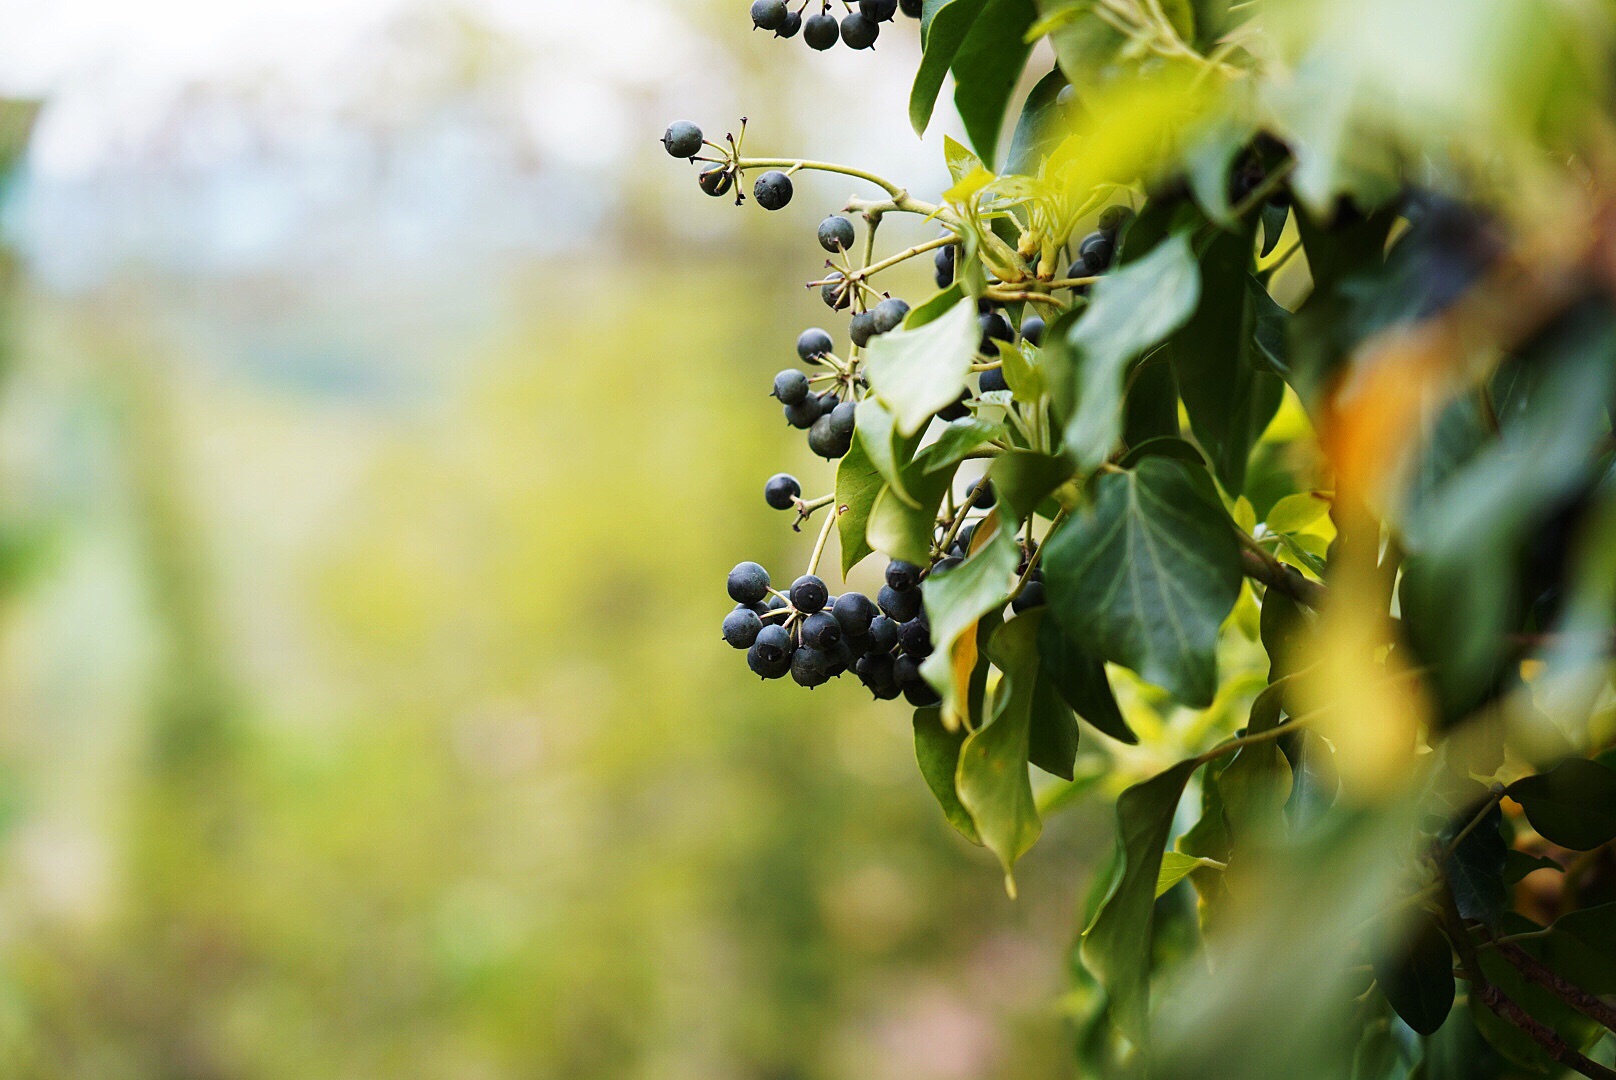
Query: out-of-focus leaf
{"x": 1518, "y": 864}
{"x": 1145, "y": 576}
{"x": 1163, "y": 446}
{"x": 1134, "y": 308}
{"x": 1543, "y": 1005}
{"x": 944, "y": 25}
{"x": 961, "y": 162}
{"x": 1257, "y": 782}
{"x": 1416, "y": 974}
{"x": 987, "y": 68}
{"x": 1039, "y": 127}
{"x": 1284, "y": 630}
{"x": 1296, "y": 512}
{"x": 916, "y": 372}
{"x": 1581, "y": 945}
{"x": 1116, "y": 946}
{"x": 1081, "y": 681}
{"x": 1176, "y": 866}
{"x": 956, "y": 598}
{"x": 937, "y": 750}
{"x": 1273, "y": 219}
{"x": 1573, "y": 804}
{"x": 1475, "y": 870}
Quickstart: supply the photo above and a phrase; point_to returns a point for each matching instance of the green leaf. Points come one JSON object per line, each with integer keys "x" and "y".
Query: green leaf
{"x": 1116, "y": 947}
{"x": 993, "y": 781}
{"x": 1284, "y": 629}
{"x": 1257, "y": 782}
{"x": 1082, "y": 682}
{"x": 901, "y": 530}
{"x": 1475, "y": 870}
{"x": 1146, "y": 574}
{"x": 883, "y": 446}
{"x": 1273, "y": 216}
{"x": 1573, "y": 804}
{"x": 937, "y": 750}
{"x": 1023, "y": 479}
{"x": 960, "y": 161}
{"x": 1133, "y": 309}
{"x": 1228, "y": 398}
{"x": 1209, "y": 160}
{"x": 929, "y": 311}
{"x": 1176, "y": 866}
{"x": 1271, "y": 332}
{"x": 987, "y": 67}
{"x": 956, "y": 598}
{"x": 1518, "y": 864}
{"x": 917, "y": 371}
{"x": 858, "y": 484}
{"x": 1039, "y": 128}
{"x": 943, "y": 27}
{"x": 1416, "y": 975}
{"x": 1163, "y": 446}
{"x": 1054, "y": 736}
{"x": 1085, "y": 44}
{"x": 1296, "y": 512}
{"x": 1543, "y": 1005}
{"x": 1582, "y": 946}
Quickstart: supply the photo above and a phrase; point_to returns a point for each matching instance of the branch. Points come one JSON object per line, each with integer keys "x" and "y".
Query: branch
{"x": 1259, "y": 565}
{"x": 1556, "y": 984}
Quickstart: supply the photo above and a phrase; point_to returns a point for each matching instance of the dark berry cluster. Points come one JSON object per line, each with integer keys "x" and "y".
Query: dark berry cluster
{"x": 858, "y": 29}
{"x": 722, "y": 174}
{"x": 1096, "y": 250}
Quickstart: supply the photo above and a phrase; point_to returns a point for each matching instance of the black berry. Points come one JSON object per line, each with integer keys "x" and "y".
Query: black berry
{"x": 902, "y": 576}
{"x": 859, "y": 31}
{"x": 914, "y": 637}
{"x": 789, "y": 28}
{"x": 781, "y": 491}
{"x": 826, "y": 440}
{"x": 1031, "y": 596}
{"x": 790, "y": 386}
{"x": 983, "y": 490}
{"x": 766, "y": 662}
{"x": 772, "y": 190}
{"x": 991, "y": 380}
{"x": 855, "y": 612}
{"x": 995, "y": 327}
{"x": 1113, "y": 219}
{"x": 821, "y": 630}
{"x": 944, "y": 262}
{"x": 810, "y": 666}
{"x": 820, "y": 31}
{"x": 835, "y": 234}
{"x": 768, "y": 14}
{"x": 921, "y": 695}
{"x": 773, "y": 642}
{"x": 1032, "y": 330}
{"x": 808, "y": 594}
{"x": 843, "y": 419}
{"x": 803, "y": 414}
{"x": 879, "y": 10}
{"x": 911, "y": 8}
{"x": 1095, "y": 252}
{"x": 957, "y": 410}
{"x": 813, "y": 343}
{"x": 883, "y": 634}
{"x": 748, "y": 583}
{"x": 899, "y": 606}
{"x": 835, "y": 291}
{"x": 741, "y": 627}
{"x": 875, "y": 672}
{"x": 889, "y": 314}
{"x": 861, "y": 327}
{"x": 682, "y": 139}
{"x": 715, "y": 180}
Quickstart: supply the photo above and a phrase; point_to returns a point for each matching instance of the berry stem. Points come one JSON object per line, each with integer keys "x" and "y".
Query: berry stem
{"x": 794, "y": 164}
{"x": 819, "y": 544}
{"x": 1038, "y": 553}
{"x": 1012, "y": 295}
{"x": 907, "y": 253}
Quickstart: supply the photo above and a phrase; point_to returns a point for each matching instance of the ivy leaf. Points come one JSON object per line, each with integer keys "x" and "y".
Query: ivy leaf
{"x": 1054, "y": 735}
{"x": 960, "y": 161}
{"x": 1084, "y": 43}
{"x": 1582, "y": 946}
{"x": 1038, "y": 129}
{"x": 1023, "y": 479}
{"x": 883, "y": 447}
{"x": 1475, "y": 870}
{"x": 937, "y": 751}
{"x": 917, "y": 371}
{"x": 1228, "y": 398}
{"x": 1296, "y": 512}
{"x": 1146, "y": 574}
{"x": 1417, "y": 974}
{"x": 929, "y": 311}
{"x": 987, "y": 67}
{"x": 1163, "y": 446}
{"x": 858, "y": 484}
{"x": 1256, "y": 784}
{"x": 943, "y": 27}
{"x": 1176, "y": 866}
{"x": 1271, "y": 331}
{"x": 1573, "y": 804}
{"x": 1518, "y": 864}
{"x": 902, "y": 530}
{"x": 1273, "y": 217}
{"x": 1116, "y": 947}
{"x": 1133, "y": 308}
{"x": 1081, "y": 681}
{"x": 956, "y": 598}
{"x": 993, "y": 781}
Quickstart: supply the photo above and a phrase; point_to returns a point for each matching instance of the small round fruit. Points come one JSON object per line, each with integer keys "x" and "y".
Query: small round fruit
{"x": 1113, "y": 219}
{"x": 944, "y": 263}
{"x": 883, "y": 634}
{"x": 813, "y": 343}
{"x": 810, "y": 666}
{"x": 879, "y": 10}
{"x": 902, "y": 576}
{"x": 991, "y": 380}
{"x": 772, "y": 190}
{"x": 835, "y": 292}
{"x": 820, "y": 31}
{"x": 889, "y": 314}
{"x": 1032, "y": 330}
{"x": 715, "y": 180}
{"x": 826, "y": 441}
{"x": 911, "y": 8}
{"x": 843, "y": 418}
{"x": 821, "y": 630}
{"x": 781, "y": 491}
{"x": 741, "y": 628}
{"x": 957, "y": 409}
{"x": 855, "y": 612}
{"x": 836, "y": 234}
{"x": 748, "y": 583}
{"x": 774, "y": 642}
{"x": 914, "y": 637}
{"x": 906, "y": 671}
{"x": 983, "y": 490}
{"x": 859, "y": 31}
{"x": 921, "y": 695}
{"x": 944, "y": 565}
{"x": 1031, "y": 596}
{"x": 789, "y": 28}
{"x": 803, "y": 414}
{"x": 995, "y": 327}
{"x": 808, "y": 594}
{"x": 898, "y": 606}
{"x": 766, "y": 663}
{"x": 768, "y": 14}
{"x": 963, "y": 540}
{"x": 1096, "y": 251}
{"x": 682, "y": 139}
{"x": 875, "y": 671}
{"x": 790, "y": 386}
{"x": 841, "y": 658}
{"x": 861, "y": 328}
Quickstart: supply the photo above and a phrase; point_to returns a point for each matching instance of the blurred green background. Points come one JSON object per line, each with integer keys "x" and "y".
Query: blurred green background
{"x": 381, "y": 413}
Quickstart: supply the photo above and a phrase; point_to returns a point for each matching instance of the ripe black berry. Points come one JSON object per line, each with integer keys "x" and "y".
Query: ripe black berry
{"x": 772, "y": 190}
{"x": 821, "y": 630}
{"x": 1095, "y": 251}
{"x": 902, "y": 576}
{"x": 899, "y": 606}
{"x": 1113, "y": 219}
{"x": 715, "y": 180}
{"x": 956, "y": 410}
{"x": 835, "y": 234}
{"x": 985, "y": 498}
{"x": 914, "y": 637}
{"x": 883, "y": 634}
{"x": 911, "y": 8}
{"x": 1031, "y": 596}
{"x": 810, "y": 666}
{"x": 841, "y": 658}
{"x": 781, "y": 491}
{"x": 921, "y": 695}
{"x": 861, "y": 327}
{"x": 826, "y": 440}
{"x": 813, "y": 343}
{"x": 879, "y": 10}
{"x": 768, "y": 14}
{"x": 944, "y": 262}
{"x": 834, "y": 292}
{"x": 766, "y": 662}
{"x": 843, "y": 418}
{"x": 828, "y": 401}
{"x": 962, "y": 542}
{"x": 1032, "y": 330}
{"x": 790, "y": 386}
{"x": 748, "y": 583}
{"x": 773, "y": 641}
{"x": 819, "y": 31}
{"x": 859, "y": 31}
{"x": 889, "y": 314}
{"x": 741, "y": 627}
{"x": 789, "y": 28}
{"x": 855, "y": 612}
{"x": 995, "y": 327}
{"x": 991, "y": 380}
{"x": 803, "y": 414}
{"x": 946, "y": 564}
{"x": 808, "y": 594}
{"x": 682, "y": 139}
{"x": 875, "y": 672}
